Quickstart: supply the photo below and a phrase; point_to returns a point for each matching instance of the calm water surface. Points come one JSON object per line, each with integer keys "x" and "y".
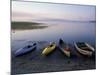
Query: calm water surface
{"x": 68, "y": 31}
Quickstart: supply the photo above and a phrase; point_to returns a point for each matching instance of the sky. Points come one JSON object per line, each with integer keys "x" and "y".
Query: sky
{"x": 33, "y": 11}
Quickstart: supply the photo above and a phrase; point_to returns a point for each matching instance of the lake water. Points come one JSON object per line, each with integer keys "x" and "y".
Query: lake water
{"x": 68, "y": 31}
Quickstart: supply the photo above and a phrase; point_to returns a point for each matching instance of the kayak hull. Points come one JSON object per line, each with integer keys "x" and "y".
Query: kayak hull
{"x": 67, "y": 53}
{"x": 48, "y": 50}
{"x": 24, "y": 50}
{"x": 83, "y": 51}
{"x": 64, "y": 48}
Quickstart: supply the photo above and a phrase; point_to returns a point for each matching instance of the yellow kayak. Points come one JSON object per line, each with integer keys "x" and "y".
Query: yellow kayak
{"x": 49, "y": 49}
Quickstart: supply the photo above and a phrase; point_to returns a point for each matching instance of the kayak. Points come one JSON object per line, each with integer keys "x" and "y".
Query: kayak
{"x": 49, "y": 49}
{"x": 84, "y": 48}
{"x": 25, "y": 50}
{"x": 64, "y": 48}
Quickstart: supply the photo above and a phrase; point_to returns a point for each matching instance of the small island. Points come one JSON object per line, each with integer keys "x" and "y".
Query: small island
{"x": 27, "y": 25}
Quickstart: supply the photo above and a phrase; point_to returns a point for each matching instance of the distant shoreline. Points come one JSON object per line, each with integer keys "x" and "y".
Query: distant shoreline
{"x": 27, "y": 25}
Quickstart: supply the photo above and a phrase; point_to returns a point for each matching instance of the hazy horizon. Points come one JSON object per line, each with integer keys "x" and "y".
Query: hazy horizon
{"x": 34, "y": 11}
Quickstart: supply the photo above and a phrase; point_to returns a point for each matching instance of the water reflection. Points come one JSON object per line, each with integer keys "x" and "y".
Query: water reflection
{"x": 70, "y": 32}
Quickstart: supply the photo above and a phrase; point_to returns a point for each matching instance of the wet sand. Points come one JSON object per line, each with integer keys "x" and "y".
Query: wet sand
{"x": 34, "y": 62}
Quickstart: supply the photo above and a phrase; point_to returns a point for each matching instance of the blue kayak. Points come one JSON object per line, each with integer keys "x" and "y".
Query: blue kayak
{"x": 25, "y": 50}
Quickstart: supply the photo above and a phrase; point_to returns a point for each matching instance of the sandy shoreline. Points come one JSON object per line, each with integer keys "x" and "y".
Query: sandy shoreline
{"x": 56, "y": 61}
